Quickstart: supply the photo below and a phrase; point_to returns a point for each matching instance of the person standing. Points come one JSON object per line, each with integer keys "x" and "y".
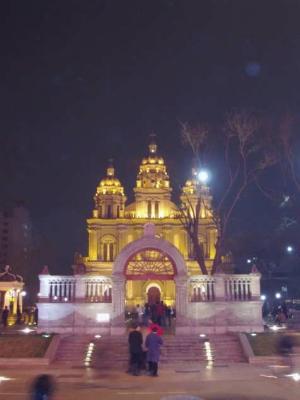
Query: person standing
{"x": 135, "y": 341}
{"x": 153, "y": 344}
{"x": 42, "y": 388}
{"x": 5, "y": 314}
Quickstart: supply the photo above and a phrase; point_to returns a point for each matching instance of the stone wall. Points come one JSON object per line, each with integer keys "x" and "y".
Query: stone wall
{"x": 77, "y": 318}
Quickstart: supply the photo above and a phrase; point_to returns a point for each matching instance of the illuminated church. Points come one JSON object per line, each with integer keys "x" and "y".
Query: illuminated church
{"x": 140, "y": 252}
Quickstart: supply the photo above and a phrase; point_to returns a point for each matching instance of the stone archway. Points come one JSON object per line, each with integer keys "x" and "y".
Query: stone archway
{"x": 148, "y": 241}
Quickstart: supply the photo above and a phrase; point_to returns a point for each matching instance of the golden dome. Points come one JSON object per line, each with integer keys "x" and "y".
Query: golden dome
{"x": 153, "y": 172}
{"x": 190, "y": 187}
{"x": 110, "y": 184}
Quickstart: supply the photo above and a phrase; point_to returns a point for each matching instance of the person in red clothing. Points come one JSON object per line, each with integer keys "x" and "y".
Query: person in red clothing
{"x": 158, "y": 328}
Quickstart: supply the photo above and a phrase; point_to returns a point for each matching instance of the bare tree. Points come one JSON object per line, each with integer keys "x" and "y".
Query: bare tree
{"x": 288, "y": 140}
{"x": 245, "y": 156}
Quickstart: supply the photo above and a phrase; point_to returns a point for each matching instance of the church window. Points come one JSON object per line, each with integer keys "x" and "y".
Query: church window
{"x": 156, "y": 209}
{"x": 149, "y": 209}
{"x": 107, "y": 248}
{"x": 109, "y": 211}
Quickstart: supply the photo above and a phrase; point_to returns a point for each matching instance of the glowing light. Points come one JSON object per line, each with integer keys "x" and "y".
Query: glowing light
{"x": 202, "y": 335}
{"x": 39, "y": 295}
{"x": 65, "y": 299}
{"x": 97, "y": 336}
{"x": 102, "y": 317}
{"x": 203, "y": 176}
{"x": 208, "y": 355}
{"x": 295, "y": 376}
{"x": 5, "y": 378}
{"x": 278, "y": 295}
{"x": 27, "y": 330}
{"x": 55, "y": 298}
{"x": 46, "y": 335}
{"x": 253, "y": 334}
{"x": 249, "y": 261}
{"x": 23, "y": 293}
{"x": 289, "y": 249}
{"x": 263, "y": 297}
{"x": 274, "y": 327}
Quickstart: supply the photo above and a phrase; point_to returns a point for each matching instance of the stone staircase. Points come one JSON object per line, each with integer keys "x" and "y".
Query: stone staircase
{"x": 72, "y": 350}
{"x": 112, "y": 351}
{"x": 226, "y": 348}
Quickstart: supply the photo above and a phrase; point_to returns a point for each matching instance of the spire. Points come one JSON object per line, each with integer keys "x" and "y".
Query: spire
{"x": 110, "y": 169}
{"x": 152, "y": 144}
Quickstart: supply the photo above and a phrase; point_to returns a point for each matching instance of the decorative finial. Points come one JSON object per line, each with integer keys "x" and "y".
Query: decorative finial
{"x": 110, "y": 168}
{"x": 45, "y": 270}
{"x": 152, "y": 143}
{"x": 254, "y": 269}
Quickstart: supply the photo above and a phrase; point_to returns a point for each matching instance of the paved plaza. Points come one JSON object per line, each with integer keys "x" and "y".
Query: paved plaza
{"x": 230, "y": 382}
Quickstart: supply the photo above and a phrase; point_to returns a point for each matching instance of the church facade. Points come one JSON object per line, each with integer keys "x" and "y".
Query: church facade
{"x": 141, "y": 253}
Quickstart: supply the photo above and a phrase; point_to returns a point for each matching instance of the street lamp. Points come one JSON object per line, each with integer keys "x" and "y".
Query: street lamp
{"x": 249, "y": 261}
{"x": 23, "y": 293}
{"x": 278, "y": 295}
{"x": 263, "y": 297}
{"x": 289, "y": 249}
{"x": 203, "y": 176}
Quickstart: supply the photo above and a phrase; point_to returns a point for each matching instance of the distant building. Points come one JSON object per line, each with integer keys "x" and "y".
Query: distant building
{"x": 15, "y": 238}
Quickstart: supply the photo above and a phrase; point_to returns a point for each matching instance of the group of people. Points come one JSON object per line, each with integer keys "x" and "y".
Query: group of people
{"x": 158, "y": 313}
{"x": 28, "y": 317}
{"x": 144, "y": 355}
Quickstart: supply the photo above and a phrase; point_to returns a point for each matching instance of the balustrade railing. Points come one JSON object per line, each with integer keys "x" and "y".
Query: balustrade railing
{"x": 70, "y": 288}
{"x": 224, "y": 287}
{"x": 238, "y": 288}
{"x": 98, "y": 291}
{"x": 62, "y": 289}
{"x": 202, "y": 288}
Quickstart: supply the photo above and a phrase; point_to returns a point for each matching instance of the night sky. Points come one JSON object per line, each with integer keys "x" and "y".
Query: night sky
{"x": 83, "y": 81}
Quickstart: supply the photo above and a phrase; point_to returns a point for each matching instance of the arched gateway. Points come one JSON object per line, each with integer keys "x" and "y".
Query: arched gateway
{"x": 148, "y": 263}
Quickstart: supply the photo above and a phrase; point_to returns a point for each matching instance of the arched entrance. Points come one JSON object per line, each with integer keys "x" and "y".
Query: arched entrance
{"x": 145, "y": 269}
{"x": 153, "y": 295}
{"x": 140, "y": 264}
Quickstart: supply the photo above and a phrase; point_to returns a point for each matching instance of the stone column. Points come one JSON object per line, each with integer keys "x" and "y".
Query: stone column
{"x": 80, "y": 288}
{"x": 255, "y": 286}
{"x": 44, "y": 286}
{"x": 118, "y": 305}
{"x": 220, "y": 294}
{"x": 182, "y": 325}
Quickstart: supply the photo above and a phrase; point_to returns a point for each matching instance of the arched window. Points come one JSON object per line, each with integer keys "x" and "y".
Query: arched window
{"x": 107, "y": 248}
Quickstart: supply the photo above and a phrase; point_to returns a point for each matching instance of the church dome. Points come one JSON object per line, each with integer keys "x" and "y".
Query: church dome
{"x": 153, "y": 172}
{"x": 110, "y": 184}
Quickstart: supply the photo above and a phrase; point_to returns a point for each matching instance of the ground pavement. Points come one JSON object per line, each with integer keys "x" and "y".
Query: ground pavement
{"x": 222, "y": 382}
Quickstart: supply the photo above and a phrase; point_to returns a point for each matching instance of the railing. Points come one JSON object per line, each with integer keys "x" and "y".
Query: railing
{"x": 96, "y": 289}
{"x": 202, "y": 288}
{"x": 224, "y": 287}
{"x": 238, "y": 288}
{"x": 62, "y": 290}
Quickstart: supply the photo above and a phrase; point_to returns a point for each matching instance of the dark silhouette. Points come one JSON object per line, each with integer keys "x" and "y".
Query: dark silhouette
{"x": 43, "y": 387}
{"x": 135, "y": 341}
{"x": 5, "y": 314}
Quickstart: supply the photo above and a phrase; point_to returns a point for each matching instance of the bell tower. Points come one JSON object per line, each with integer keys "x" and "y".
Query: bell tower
{"x": 109, "y": 198}
{"x": 152, "y": 191}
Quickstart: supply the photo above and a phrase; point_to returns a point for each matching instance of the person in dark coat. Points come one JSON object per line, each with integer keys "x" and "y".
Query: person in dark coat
{"x": 5, "y": 314}
{"x": 42, "y": 387}
{"x": 153, "y": 344}
{"x": 135, "y": 341}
